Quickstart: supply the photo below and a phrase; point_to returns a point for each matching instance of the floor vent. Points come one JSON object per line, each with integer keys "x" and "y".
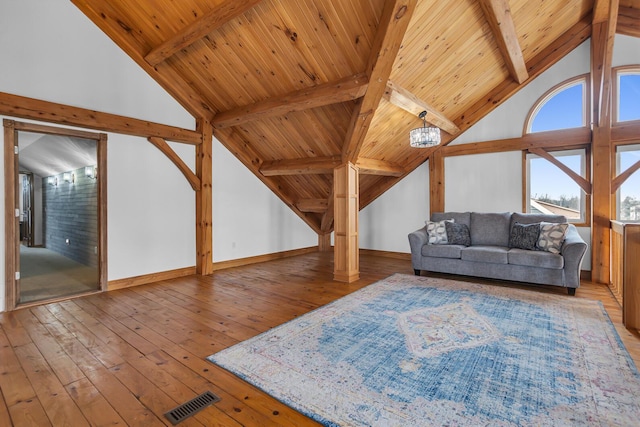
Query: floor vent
{"x": 195, "y": 405}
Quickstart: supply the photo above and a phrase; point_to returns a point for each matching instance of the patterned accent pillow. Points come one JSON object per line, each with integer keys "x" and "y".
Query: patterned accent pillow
{"x": 524, "y": 236}
{"x": 552, "y": 236}
{"x": 457, "y": 234}
{"x": 437, "y": 232}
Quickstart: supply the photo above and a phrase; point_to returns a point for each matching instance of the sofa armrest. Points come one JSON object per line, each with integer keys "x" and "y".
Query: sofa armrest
{"x": 417, "y": 240}
{"x": 573, "y": 250}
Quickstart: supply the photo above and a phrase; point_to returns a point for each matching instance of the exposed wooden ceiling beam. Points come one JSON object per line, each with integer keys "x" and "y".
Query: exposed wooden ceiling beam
{"x": 212, "y": 20}
{"x": 307, "y": 165}
{"x": 347, "y": 89}
{"x": 536, "y": 66}
{"x": 628, "y": 21}
{"x": 539, "y": 64}
{"x": 108, "y": 20}
{"x": 162, "y": 145}
{"x": 379, "y": 167}
{"x": 313, "y": 205}
{"x": 402, "y": 98}
{"x": 498, "y": 15}
{"x": 393, "y": 25}
{"x": 35, "y": 109}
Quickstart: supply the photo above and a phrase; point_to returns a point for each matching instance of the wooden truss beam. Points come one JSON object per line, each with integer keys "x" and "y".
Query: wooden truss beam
{"x": 347, "y": 89}
{"x": 105, "y": 16}
{"x": 379, "y": 167}
{"x": 326, "y": 165}
{"x": 313, "y": 205}
{"x": 393, "y": 25}
{"x": 498, "y": 15}
{"x": 304, "y": 166}
{"x": 583, "y": 183}
{"x": 402, "y": 98}
{"x": 29, "y": 108}
{"x": 628, "y": 21}
{"x": 163, "y": 146}
{"x": 211, "y": 21}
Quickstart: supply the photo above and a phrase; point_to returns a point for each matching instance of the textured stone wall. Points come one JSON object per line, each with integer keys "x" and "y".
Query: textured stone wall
{"x": 71, "y": 217}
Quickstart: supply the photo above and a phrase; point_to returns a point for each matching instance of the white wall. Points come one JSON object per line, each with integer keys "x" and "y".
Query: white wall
{"x": 65, "y": 58}
{"x": 248, "y": 219}
{"x": 386, "y": 222}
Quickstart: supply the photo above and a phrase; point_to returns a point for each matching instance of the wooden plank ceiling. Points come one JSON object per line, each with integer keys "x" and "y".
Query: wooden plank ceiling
{"x": 296, "y": 88}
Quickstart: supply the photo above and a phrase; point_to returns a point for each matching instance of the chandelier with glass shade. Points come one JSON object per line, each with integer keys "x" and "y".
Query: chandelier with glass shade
{"x": 425, "y": 136}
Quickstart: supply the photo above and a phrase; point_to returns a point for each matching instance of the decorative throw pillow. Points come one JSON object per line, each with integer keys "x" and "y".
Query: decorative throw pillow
{"x": 457, "y": 234}
{"x": 437, "y": 232}
{"x": 524, "y": 236}
{"x": 552, "y": 236}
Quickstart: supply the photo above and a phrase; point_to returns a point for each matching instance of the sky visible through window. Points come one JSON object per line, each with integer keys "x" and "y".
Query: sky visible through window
{"x": 565, "y": 110}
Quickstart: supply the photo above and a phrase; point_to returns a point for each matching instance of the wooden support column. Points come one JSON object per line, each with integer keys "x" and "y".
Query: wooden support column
{"x": 324, "y": 242}
{"x": 602, "y": 37}
{"x": 346, "y": 205}
{"x": 204, "y": 216}
{"x": 436, "y": 181}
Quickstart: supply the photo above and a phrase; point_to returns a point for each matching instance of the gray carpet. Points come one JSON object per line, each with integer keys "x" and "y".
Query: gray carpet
{"x": 45, "y": 274}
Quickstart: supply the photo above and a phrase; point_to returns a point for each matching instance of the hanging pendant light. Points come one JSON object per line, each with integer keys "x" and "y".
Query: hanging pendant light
{"x": 426, "y": 136}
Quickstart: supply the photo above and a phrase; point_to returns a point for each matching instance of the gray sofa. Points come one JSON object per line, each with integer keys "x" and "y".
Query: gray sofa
{"x": 492, "y": 251}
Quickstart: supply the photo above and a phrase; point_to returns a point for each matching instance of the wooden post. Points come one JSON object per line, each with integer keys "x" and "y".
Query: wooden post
{"x": 602, "y": 37}
{"x": 436, "y": 181}
{"x": 324, "y": 242}
{"x": 204, "y": 216}
{"x": 346, "y": 205}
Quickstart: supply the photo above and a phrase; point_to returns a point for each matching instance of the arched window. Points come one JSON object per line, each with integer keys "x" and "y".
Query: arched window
{"x": 563, "y": 107}
{"x": 556, "y": 180}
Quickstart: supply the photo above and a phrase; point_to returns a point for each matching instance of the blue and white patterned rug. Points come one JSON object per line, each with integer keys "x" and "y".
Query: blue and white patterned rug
{"x": 417, "y": 351}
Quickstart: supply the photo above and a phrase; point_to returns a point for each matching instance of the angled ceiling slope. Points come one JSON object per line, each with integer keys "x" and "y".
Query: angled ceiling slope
{"x": 295, "y": 88}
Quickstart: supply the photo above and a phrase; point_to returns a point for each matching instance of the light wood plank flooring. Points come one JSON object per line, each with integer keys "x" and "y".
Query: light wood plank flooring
{"x": 126, "y": 357}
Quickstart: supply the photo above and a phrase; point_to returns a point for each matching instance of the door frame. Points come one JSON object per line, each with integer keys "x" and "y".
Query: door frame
{"x": 11, "y": 201}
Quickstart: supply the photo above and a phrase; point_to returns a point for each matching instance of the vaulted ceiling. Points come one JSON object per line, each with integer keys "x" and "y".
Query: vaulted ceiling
{"x": 294, "y": 88}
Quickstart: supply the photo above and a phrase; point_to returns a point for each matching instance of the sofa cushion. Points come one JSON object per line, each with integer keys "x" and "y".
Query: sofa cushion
{"x": 437, "y": 232}
{"x": 552, "y": 237}
{"x": 490, "y": 254}
{"x": 524, "y": 236}
{"x": 535, "y": 259}
{"x": 490, "y": 229}
{"x": 530, "y": 218}
{"x": 458, "y": 234}
{"x": 457, "y": 217}
{"x": 442, "y": 251}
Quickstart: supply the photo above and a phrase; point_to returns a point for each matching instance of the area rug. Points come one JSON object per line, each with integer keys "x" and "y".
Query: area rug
{"x": 419, "y": 351}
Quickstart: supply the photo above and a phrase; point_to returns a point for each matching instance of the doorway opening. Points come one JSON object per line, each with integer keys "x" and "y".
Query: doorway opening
{"x": 56, "y": 225}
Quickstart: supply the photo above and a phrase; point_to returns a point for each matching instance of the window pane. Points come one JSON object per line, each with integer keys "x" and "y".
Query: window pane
{"x": 552, "y": 191}
{"x": 629, "y": 93}
{"x": 628, "y": 195}
{"x": 563, "y": 110}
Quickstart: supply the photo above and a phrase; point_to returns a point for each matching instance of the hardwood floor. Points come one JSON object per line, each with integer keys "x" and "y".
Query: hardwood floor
{"x": 128, "y": 356}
